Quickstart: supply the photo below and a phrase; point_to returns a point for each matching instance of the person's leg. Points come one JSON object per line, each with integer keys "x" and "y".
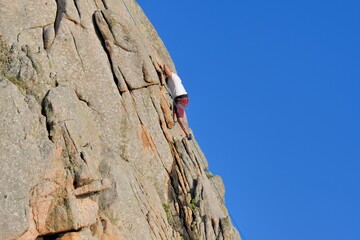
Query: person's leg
{"x": 183, "y": 127}
{"x": 180, "y": 112}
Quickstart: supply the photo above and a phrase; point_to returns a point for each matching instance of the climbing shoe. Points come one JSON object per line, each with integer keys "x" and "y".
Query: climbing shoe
{"x": 189, "y": 137}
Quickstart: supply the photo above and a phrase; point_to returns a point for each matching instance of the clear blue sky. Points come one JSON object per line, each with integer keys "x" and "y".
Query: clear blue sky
{"x": 275, "y": 106}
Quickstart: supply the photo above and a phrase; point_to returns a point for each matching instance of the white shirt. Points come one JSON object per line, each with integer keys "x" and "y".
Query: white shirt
{"x": 175, "y": 85}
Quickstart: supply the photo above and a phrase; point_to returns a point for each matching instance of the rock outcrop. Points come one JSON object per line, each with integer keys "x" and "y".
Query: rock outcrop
{"x": 88, "y": 146}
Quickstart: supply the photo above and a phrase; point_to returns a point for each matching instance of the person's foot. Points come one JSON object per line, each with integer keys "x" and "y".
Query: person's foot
{"x": 189, "y": 137}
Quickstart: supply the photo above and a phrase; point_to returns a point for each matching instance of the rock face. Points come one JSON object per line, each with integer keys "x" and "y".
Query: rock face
{"x": 88, "y": 146}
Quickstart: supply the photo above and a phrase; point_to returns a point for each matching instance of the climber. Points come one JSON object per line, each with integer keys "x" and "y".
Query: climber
{"x": 179, "y": 96}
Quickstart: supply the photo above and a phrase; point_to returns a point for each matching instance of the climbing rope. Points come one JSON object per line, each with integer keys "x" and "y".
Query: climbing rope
{"x": 129, "y": 11}
{"x": 213, "y": 183}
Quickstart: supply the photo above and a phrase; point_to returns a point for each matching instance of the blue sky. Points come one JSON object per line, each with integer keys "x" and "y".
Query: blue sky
{"x": 274, "y": 103}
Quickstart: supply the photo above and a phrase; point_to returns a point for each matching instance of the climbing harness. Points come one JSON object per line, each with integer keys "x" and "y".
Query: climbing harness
{"x": 175, "y": 104}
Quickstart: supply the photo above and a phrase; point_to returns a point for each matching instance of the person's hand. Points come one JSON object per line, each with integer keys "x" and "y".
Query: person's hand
{"x": 167, "y": 71}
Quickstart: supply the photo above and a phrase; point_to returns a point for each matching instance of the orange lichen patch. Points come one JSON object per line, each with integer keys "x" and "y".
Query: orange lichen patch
{"x": 146, "y": 139}
{"x": 166, "y": 132}
{"x": 42, "y": 202}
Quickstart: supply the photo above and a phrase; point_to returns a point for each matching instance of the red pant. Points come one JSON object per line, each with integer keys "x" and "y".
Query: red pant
{"x": 180, "y": 105}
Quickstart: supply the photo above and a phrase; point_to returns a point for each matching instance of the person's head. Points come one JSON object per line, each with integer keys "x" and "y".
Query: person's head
{"x": 167, "y": 71}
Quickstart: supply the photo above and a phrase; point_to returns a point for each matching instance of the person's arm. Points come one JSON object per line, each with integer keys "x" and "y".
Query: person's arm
{"x": 167, "y": 71}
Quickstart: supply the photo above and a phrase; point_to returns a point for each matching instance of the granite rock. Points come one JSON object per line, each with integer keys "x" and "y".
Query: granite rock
{"x": 89, "y": 147}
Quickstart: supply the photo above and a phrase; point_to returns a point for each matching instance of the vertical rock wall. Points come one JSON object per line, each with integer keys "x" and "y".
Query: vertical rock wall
{"x": 88, "y": 146}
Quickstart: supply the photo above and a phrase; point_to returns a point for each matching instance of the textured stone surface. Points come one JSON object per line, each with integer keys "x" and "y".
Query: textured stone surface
{"x": 88, "y": 146}
{"x": 25, "y": 154}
